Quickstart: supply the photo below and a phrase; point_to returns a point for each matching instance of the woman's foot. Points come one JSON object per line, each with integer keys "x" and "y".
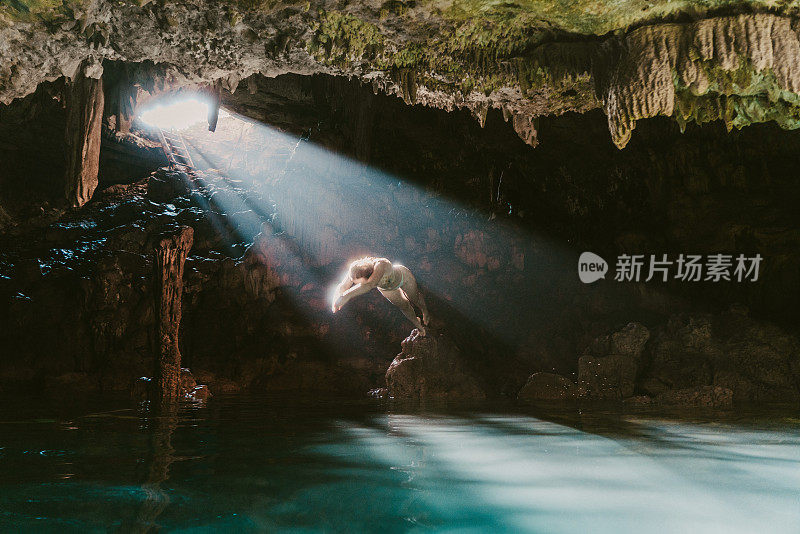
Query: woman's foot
{"x": 421, "y": 329}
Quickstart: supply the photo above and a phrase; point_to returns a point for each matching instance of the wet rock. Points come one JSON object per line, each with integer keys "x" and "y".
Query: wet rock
{"x": 198, "y": 393}
{"x": 143, "y": 389}
{"x": 431, "y": 368}
{"x": 168, "y": 262}
{"x": 608, "y": 368}
{"x": 611, "y": 377}
{"x": 629, "y": 341}
{"x": 164, "y": 185}
{"x": 548, "y": 386}
{"x": 115, "y": 190}
{"x": 681, "y": 354}
{"x": 187, "y": 381}
{"x": 703, "y": 396}
{"x": 757, "y": 361}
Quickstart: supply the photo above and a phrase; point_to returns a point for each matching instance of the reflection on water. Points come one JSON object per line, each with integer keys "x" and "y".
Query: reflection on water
{"x": 255, "y": 465}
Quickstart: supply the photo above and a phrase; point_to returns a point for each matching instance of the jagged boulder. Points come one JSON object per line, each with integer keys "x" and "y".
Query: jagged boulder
{"x": 681, "y": 355}
{"x": 757, "y": 361}
{"x": 548, "y": 386}
{"x": 165, "y": 184}
{"x": 431, "y": 368}
{"x": 608, "y": 367}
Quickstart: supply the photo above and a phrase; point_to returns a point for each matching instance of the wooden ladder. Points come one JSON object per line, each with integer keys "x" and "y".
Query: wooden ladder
{"x": 175, "y": 149}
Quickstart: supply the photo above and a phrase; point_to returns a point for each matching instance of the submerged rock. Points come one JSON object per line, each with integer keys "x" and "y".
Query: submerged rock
{"x": 145, "y": 388}
{"x": 378, "y": 393}
{"x": 198, "y": 393}
{"x": 548, "y": 386}
{"x": 164, "y": 185}
{"x": 431, "y": 368}
{"x": 187, "y": 380}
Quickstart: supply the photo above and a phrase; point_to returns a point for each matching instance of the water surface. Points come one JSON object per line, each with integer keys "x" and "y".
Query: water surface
{"x": 255, "y": 464}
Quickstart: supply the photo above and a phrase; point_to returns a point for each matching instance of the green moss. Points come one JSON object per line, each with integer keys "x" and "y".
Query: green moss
{"x": 342, "y": 39}
{"x": 739, "y": 97}
{"x": 396, "y": 7}
{"x": 34, "y": 10}
{"x": 599, "y": 17}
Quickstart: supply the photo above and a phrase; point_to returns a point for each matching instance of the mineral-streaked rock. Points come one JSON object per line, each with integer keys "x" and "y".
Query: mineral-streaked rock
{"x": 607, "y": 370}
{"x": 756, "y": 361}
{"x": 526, "y": 60}
{"x": 431, "y": 368}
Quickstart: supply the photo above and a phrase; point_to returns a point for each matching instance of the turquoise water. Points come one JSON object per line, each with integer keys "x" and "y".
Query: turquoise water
{"x": 245, "y": 464}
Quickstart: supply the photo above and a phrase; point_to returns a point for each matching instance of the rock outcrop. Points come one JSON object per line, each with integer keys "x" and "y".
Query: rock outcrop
{"x": 711, "y": 360}
{"x": 756, "y": 361}
{"x": 431, "y": 368}
{"x": 608, "y": 367}
{"x": 168, "y": 261}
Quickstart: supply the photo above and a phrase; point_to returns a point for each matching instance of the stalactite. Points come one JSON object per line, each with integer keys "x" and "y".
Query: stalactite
{"x": 525, "y": 126}
{"x": 741, "y": 69}
{"x": 84, "y": 101}
{"x": 213, "y": 108}
{"x": 479, "y": 111}
{"x": 406, "y": 80}
{"x": 169, "y": 257}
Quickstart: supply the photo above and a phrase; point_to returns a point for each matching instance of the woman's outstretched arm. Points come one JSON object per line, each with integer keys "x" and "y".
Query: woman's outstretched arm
{"x": 343, "y": 286}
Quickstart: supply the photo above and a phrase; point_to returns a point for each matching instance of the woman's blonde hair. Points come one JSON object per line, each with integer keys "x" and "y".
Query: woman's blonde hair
{"x": 362, "y": 268}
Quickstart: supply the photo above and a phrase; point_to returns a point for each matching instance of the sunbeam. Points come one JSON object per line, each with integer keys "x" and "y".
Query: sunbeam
{"x": 336, "y": 209}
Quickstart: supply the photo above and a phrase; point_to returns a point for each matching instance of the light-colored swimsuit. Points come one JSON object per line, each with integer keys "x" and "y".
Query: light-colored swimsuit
{"x": 398, "y": 286}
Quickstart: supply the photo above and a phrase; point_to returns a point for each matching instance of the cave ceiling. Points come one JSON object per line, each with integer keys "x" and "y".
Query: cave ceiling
{"x": 734, "y": 61}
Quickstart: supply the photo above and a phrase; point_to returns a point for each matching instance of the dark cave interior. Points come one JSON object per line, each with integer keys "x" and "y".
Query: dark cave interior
{"x": 308, "y": 172}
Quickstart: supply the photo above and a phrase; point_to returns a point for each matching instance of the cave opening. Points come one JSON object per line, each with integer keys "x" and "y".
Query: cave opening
{"x": 177, "y": 112}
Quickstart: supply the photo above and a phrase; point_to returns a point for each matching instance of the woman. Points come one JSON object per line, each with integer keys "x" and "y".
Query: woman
{"x": 395, "y": 282}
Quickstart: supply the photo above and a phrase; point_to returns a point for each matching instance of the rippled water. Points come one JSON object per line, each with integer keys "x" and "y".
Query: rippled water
{"x": 264, "y": 464}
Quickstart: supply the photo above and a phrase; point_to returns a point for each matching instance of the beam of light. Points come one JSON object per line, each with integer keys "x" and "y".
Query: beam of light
{"x": 246, "y": 205}
{"x": 176, "y": 113}
{"x": 338, "y": 209}
{"x": 246, "y": 211}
